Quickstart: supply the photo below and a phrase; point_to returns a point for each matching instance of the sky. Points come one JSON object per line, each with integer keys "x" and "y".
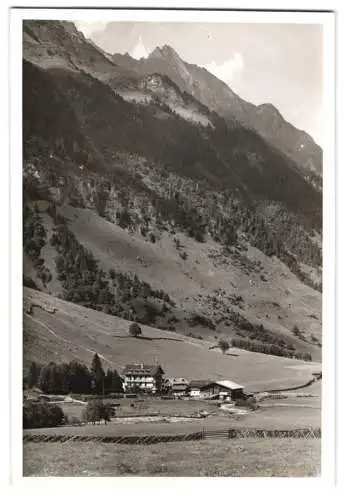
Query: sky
{"x": 276, "y": 63}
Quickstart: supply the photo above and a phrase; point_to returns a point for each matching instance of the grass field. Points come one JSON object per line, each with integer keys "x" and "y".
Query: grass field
{"x": 74, "y": 332}
{"x": 147, "y": 407}
{"x": 240, "y": 457}
{"x": 264, "y": 418}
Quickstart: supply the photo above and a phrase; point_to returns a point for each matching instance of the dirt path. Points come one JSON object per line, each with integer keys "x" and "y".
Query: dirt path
{"x": 70, "y": 400}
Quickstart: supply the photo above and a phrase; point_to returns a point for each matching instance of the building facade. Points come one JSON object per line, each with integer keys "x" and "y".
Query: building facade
{"x": 178, "y": 387}
{"x": 223, "y": 389}
{"x": 143, "y": 378}
{"x": 197, "y": 388}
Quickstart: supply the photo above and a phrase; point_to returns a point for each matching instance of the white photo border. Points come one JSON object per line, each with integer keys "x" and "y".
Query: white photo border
{"x": 161, "y": 485}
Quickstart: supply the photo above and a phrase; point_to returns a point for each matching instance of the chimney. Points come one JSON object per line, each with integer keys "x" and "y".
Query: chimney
{"x": 141, "y": 366}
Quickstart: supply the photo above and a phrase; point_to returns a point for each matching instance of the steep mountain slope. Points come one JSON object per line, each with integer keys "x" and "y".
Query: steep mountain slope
{"x": 210, "y": 289}
{"x": 61, "y": 104}
{"x": 216, "y": 95}
{"x": 142, "y": 203}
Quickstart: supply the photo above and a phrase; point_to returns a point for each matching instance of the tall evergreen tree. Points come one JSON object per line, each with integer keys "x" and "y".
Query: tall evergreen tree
{"x": 113, "y": 382}
{"x": 65, "y": 378}
{"x": 98, "y": 374}
{"x": 33, "y": 376}
{"x": 43, "y": 381}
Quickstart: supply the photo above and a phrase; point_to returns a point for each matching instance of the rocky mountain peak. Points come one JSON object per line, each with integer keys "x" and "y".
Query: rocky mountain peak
{"x": 164, "y": 52}
{"x": 270, "y": 109}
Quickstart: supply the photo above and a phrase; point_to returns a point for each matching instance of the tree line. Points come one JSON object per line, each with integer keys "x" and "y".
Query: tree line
{"x": 74, "y": 377}
{"x": 272, "y": 349}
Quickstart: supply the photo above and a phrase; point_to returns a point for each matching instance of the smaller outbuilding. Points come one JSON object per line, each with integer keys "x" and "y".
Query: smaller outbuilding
{"x": 197, "y": 387}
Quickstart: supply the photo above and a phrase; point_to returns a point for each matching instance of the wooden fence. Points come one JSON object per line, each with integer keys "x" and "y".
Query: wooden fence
{"x": 308, "y": 433}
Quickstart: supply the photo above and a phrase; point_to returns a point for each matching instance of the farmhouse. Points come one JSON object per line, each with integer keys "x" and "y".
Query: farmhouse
{"x": 224, "y": 389}
{"x": 141, "y": 377}
{"x": 197, "y": 387}
{"x": 178, "y": 386}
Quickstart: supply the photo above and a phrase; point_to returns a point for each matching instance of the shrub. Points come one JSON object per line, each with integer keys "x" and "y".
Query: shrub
{"x": 75, "y": 421}
{"x": 37, "y": 415}
{"x": 223, "y": 345}
{"x": 95, "y": 411}
{"x": 249, "y": 402}
{"x": 183, "y": 255}
{"x": 135, "y": 330}
{"x": 296, "y": 330}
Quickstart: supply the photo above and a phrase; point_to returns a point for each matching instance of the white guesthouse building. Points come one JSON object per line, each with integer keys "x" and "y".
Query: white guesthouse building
{"x": 143, "y": 378}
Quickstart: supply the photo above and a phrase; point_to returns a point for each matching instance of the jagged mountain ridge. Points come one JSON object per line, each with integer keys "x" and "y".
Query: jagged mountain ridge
{"x": 59, "y": 45}
{"x": 216, "y": 95}
{"x": 79, "y": 130}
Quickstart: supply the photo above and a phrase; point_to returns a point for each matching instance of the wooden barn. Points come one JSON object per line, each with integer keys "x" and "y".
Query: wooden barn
{"x": 225, "y": 389}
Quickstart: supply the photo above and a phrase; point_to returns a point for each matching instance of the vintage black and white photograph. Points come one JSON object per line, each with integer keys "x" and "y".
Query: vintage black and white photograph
{"x": 172, "y": 218}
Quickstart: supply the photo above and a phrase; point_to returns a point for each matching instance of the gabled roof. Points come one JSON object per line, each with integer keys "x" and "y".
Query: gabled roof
{"x": 228, "y": 384}
{"x": 177, "y": 381}
{"x": 179, "y": 387}
{"x": 142, "y": 369}
{"x": 199, "y": 384}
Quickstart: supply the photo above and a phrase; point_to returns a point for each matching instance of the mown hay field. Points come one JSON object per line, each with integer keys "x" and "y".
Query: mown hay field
{"x": 237, "y": 458}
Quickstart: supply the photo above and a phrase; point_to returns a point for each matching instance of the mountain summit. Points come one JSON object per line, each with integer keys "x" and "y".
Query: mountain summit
{"x": 164, "y": 52}
{"x": 217, "y": 96}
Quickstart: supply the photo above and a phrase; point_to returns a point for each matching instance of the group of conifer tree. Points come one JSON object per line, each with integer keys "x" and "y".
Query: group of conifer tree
{"x": 74, "y": 377}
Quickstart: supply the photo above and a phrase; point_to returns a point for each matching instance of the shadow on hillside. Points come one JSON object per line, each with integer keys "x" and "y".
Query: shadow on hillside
{"x": 168, "y": 338}
{"x": 226, "y": 353}
{"x": 142, "y": 337}
{"x": 158, "y": 338}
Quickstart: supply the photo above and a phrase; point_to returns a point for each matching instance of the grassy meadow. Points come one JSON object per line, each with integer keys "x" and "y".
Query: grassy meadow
{"x": 236, "y": 458}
